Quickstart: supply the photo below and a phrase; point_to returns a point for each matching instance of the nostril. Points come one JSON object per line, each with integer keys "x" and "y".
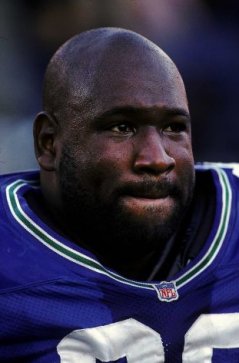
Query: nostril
{"x": 151, "y": 154}
{"x": 154, "y": 165}
{"x": 155, "y": 162}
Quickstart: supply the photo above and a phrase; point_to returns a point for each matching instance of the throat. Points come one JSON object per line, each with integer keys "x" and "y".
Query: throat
{"x": 146, "y": 266}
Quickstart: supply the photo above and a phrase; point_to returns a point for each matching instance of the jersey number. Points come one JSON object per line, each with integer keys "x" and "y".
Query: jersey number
{"x": 139, "y": 343}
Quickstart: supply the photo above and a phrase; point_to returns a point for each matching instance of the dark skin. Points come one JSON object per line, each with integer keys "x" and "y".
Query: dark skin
{"x": 115, "y": 154}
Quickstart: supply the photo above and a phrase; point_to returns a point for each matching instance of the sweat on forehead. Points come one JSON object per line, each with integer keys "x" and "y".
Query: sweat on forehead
{"x": 83, "y": 60}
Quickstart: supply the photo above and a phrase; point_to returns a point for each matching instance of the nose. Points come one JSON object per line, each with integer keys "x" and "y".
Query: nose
{"x": 150, "y": 153}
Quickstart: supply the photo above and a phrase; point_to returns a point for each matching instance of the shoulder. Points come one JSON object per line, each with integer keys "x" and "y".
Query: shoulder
{"x": 11, "y": 178}
{"x": 12, "y": 189}
{"x": 230, "y": 170}
{"x": 20, "y": 174}
{"x": 224, "y": 177}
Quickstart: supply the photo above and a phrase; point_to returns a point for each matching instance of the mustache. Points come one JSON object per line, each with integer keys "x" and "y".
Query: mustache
{"x": 150, "y": 189}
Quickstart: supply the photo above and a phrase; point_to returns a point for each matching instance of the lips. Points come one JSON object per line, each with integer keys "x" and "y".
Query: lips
{"x": 149, "y": 195}
{"x": 149, "y": 190}
{"x": 143, "y": 204}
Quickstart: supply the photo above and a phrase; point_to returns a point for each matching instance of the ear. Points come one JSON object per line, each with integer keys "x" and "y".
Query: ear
{"x": 45, "y": 133}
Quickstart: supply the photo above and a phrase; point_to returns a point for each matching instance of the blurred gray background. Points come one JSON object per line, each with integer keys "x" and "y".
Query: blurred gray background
{"x": 200, "y": 35}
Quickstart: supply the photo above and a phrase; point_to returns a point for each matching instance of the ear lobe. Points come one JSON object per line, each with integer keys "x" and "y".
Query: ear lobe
{"x": 45, "y": 132}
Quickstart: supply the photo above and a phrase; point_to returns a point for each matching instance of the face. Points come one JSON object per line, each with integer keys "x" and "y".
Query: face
{"x": 126, "y": 170}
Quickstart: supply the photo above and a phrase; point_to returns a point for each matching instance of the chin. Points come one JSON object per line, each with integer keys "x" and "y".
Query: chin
{"x": 144, "y": 231}
{"x": 149, "y": 209}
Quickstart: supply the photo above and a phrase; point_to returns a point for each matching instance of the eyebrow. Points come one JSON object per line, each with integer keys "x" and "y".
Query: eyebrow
{"x": 136, "y": 110}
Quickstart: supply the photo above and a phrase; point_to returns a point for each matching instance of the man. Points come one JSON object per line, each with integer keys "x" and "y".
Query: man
{"x": 118, "y": 253}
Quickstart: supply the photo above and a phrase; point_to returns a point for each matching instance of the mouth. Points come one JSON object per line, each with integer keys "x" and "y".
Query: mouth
{"x": 147, "y": 201}
{"x": 150, "y": 195}
{"x": 161, "y": 195}
{"x": 148, "y": 192}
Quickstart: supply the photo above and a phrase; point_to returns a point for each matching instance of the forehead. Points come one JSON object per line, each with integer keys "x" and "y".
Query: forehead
{"x": 144, "y": 84}
{"x": 141, "y": 77}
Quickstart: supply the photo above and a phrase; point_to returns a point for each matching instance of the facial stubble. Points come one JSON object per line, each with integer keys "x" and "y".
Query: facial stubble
{"x": 105, "y": 226}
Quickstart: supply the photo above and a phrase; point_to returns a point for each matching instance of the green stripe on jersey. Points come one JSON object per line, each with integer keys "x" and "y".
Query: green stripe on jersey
{"x": 60, "y": 248}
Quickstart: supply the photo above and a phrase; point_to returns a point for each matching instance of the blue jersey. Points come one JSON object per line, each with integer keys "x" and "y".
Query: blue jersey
{"x": 59, "y": 304}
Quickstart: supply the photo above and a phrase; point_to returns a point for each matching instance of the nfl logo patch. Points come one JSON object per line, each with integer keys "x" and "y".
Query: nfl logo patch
{"x": 166, "y": 291}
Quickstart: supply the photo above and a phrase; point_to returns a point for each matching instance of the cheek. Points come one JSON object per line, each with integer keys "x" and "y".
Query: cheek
{"x": 185, "y": 168}
{"x": 182, "y": 152}
{"x": 103, "y": 165}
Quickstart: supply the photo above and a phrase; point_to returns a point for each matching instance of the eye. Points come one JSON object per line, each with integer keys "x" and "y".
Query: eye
{"x": 175, "y": 127}
{"x": 124, "y": 128}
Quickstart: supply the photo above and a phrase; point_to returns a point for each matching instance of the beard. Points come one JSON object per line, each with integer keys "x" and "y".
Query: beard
{"x": 104, "y": 225}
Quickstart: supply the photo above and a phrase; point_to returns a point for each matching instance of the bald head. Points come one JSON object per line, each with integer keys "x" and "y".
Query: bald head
{"x": 90, "y": 61}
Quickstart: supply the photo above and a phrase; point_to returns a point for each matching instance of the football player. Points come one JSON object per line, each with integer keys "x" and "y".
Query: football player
{"x": 119, "y": 249}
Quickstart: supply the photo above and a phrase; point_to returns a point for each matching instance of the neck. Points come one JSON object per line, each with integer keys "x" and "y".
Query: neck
{"x": 134, "y": 263}
{"x": 141, "y": 265}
